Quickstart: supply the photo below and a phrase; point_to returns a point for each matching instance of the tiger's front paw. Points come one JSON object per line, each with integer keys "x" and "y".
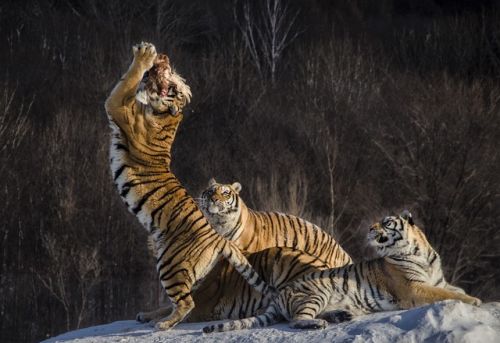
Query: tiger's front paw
{"x": 164, "y": 325}
{"x": 144, "y": 55}
{"x": 309, "y": 324}
{"x": 476, "y": 301}
{"x": 337, "y": 316}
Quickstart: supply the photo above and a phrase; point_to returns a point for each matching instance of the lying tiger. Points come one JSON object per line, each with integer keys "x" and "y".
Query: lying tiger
{"x": 254, "y": 231}
{"x": 407, "y": 274}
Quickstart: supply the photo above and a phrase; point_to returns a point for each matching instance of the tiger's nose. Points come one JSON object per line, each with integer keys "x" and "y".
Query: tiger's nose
{"x": 214, "y": 197}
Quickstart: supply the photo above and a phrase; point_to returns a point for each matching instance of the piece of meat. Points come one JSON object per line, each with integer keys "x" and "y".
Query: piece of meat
{"x": 159, "y": 74}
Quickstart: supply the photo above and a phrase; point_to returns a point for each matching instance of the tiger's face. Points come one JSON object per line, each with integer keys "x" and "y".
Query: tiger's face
{"x": 395, "y": 235}
{"x": 170, "y": 102}
{"x": 163, "y": 89}
{"x": 220, "y": 199}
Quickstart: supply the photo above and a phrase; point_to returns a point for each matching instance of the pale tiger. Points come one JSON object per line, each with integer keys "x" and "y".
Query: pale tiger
{"x": 407, "y": 274}
{"x": 143, "y": 130}
{"x": 253, "y": 231}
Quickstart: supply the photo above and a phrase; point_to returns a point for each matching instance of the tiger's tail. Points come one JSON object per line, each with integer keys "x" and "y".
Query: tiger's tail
{"x": 236, "y": 258}
{"x": 270, "y": 317}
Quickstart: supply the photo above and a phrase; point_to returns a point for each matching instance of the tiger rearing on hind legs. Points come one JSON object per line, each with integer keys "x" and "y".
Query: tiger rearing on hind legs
{"x": 144, "y": 118}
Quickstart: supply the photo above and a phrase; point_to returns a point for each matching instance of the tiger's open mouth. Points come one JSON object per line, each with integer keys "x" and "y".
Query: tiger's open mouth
{"x": 170, "y": 92}
{"x": 164, "y": 100}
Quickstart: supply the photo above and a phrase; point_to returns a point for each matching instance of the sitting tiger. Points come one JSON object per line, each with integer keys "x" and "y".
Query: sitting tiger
{"x": 407, "y": 274}
{"x": 254, "y": 231}
{"x": 251, "y": 231}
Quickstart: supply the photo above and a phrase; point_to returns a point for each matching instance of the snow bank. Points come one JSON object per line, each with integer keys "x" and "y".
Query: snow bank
{"x": 447, "y": 321}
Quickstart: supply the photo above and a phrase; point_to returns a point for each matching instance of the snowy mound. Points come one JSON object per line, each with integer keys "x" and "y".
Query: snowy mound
{"x": 447, "y": 321}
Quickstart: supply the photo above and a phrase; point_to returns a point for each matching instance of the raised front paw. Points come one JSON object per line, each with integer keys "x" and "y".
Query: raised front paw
{"x": 144, "y": 55}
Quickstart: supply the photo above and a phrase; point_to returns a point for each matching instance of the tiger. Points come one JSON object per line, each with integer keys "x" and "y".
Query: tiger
{"x": 254, "y": 231}
{"x": 224, "y": 294}
{"x": 144, "y": 118}
{"x": 406, "y": 274}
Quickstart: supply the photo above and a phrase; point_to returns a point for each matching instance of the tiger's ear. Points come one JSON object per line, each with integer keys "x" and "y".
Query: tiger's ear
{"x": 211, "y": 182}
{"x": 237, "y": 187}
{"x": 406, "y": 215}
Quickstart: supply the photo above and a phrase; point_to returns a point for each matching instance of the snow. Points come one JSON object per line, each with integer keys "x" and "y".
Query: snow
{"x": 446, "y": 321}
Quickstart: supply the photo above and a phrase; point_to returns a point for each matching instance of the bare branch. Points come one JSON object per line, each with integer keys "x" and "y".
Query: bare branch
{"x": 266, "y": 36}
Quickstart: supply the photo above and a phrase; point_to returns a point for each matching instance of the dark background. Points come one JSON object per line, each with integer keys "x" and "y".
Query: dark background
{"x": 367, "y": 108}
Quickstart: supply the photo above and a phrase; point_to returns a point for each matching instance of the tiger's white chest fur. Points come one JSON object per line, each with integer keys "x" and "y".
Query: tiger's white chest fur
{"x": 426, "y": 269}
{"x": 228, "y": 225}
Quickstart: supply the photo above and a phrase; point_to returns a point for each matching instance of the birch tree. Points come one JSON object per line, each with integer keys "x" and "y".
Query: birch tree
{"x": 267, "y": 33}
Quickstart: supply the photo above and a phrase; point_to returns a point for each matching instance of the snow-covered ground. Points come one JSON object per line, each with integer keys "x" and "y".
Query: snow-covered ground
{"x": 447, "y": 321}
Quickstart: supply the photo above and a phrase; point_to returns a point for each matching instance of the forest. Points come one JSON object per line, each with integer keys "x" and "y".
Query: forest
{"x": 340, "y": 112}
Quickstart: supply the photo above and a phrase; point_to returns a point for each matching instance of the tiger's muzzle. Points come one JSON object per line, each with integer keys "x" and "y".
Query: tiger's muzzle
{"x": 377, "y": 234}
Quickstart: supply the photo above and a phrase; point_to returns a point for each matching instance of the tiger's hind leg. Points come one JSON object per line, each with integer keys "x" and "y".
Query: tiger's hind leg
{"x": 336, "y": 316}
{"x": 181, "y": 310}
{"x": 177, "y": 280}
{"x": 305, "y": 313}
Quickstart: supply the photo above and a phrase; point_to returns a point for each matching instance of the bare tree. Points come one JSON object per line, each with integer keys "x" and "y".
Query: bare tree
{"x": 56, "y": 282}
{"x": 66, "y": 262}
{"x": 174, "y": 24}
{"x": 267, "y": 34}
{"x": 13, "y": 128}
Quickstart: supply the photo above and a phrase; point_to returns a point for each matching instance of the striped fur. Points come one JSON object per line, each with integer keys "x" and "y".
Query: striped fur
{"x": 187, "y": 247}
{"x": 254, "y": 231}
{"x": 407, "y": 274}
{"x": 224, "y": 294}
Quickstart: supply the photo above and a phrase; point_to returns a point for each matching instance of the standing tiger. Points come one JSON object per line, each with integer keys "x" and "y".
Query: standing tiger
{"x": 143, "y": 130}
{"x": 407, "y": 274}
{"x": 253, "y": 231}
